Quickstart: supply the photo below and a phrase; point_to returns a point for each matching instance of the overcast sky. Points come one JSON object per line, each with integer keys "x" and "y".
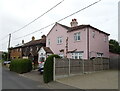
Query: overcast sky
{"x": 14, "y": 14}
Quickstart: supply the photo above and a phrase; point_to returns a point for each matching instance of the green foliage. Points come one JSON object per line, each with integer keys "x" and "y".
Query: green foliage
{"x": 21, "y": 65}
{"x": 48, "y": 68}
{"x": 114, "y": 46}
{"x": 4, "y": 56}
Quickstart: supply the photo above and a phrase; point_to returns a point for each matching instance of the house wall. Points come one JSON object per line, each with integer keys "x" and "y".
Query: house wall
{"x": 97, "y": 44}
{"x": 39, "y": 54}
{"x": 16, "y": 53}
{"x": 79, "y": 45}
{"x": 57, "y": 31}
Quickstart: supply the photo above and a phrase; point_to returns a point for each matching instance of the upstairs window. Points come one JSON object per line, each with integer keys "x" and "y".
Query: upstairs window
{"x": 93, "y": 34}
{"x": 30, "y": 48}
{"x": 59, "y": 40}
{"x": 48, "y": 41}
{"x": 105, "y": 38}
{"x": 20, "y": 49}
{"x": 77, "y": 36}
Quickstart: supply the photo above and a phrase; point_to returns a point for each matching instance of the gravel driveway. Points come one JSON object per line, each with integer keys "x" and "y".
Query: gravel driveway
{"x": 98, "y": 80}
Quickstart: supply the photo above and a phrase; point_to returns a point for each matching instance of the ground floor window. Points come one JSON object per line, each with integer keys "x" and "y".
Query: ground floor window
{"x": 61, "y": 55}
{"x": 77, "y": 55}
{"x": 99, "y": 54}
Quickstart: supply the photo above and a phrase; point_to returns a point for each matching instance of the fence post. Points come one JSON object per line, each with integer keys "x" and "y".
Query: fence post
{"x": 83, "y": 66}
{"x": 102, "y": 64}
{"x": 54, "y": 69}
{"x": 94, "y": 65}
{"x": 68, "y": 67}
{"x": 108, "y": 64}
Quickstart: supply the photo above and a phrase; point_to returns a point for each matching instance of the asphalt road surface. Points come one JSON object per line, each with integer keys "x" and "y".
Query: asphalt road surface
{"x": 11, "y": 80}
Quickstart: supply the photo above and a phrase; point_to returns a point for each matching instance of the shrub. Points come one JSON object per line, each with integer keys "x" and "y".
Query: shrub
{"x": 48, "y": 68}
{"x": 21, "y": 65}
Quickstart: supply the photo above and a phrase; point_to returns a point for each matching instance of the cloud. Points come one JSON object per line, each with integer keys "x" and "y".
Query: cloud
{"x": 16, "y": 13}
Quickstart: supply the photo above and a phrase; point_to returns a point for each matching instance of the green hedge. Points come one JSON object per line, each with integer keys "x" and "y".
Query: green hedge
{"x": 21, "y": 65}
{"x": 48, "y": 68}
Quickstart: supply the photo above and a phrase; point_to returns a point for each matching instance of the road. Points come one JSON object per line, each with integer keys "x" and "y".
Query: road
{"x": 11, "y": 80}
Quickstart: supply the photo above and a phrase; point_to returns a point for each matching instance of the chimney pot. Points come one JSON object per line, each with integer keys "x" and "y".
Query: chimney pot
{"x": 74, "y": 23}
{"x": 33, "y": 38}
{"x": 22, "y": 41}
{"x": 43, "y": 36}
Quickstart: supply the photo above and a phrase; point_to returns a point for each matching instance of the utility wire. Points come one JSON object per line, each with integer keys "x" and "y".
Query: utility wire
{"x": 60, "y": 19}
{"x": 33, "y": 20}
{"x": 4, "y": 37}
{"x": 38, "y": 17}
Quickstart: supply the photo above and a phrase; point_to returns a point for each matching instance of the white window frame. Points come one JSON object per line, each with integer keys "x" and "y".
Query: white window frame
{"x": 48, "y": 41}
{"x": 61, "y": 55}
{"x": 99, "y": 54}
{"x": 30, "y": 48}
{"x": 105, "y": 38}
{"x": 93, "y": 34}
{"x": 77, "y": 55}
{"x": 77, "y": 36}
{"x": 59, "y": 40}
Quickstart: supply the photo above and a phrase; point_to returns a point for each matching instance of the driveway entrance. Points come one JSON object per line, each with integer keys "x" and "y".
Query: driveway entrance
{"x": 99, "y": 80}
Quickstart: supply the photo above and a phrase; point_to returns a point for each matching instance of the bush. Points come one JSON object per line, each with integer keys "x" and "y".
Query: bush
{"x": 48, "y": 68}
{"x": 21, "y": 65}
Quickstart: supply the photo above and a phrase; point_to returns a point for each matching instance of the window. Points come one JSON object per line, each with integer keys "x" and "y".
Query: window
{"x": 77, "y": 36}
{"x": 59, "y": 40}
{"x": 105, "y": 38}
{"x": 30, "y": 48}
{"x": 93, "y": 34}
{"x": 48, "y": 41}
{"x": 77, "y": 55}
{"x": 61, "y": 55}
{"x": 37, "y": 48}
{"x": 20, "y": 49}
{"x": 99, "y": 54}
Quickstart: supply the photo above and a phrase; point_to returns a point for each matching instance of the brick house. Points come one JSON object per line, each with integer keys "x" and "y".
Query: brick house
{"x": 15, "y": 52}
{"x": 28, "y": 50}
{"x": 78, "y": 41}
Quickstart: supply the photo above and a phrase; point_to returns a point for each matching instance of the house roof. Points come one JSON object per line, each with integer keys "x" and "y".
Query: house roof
{"x": 48, "y": 50}
{"x": 31, "y": 43}
{"x": 70, "y": 29}
{"x": 35, "y": 42}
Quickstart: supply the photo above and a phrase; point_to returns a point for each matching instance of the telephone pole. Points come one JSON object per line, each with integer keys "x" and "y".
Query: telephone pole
{"x": 8, "y": 57}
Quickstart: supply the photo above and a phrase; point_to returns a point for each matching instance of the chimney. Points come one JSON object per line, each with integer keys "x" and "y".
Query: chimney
{"x": 74, "y": 23}
{"x": 43, "y": 37}
{"x": 33, "y": 38}
{"x": 22, "y": 41}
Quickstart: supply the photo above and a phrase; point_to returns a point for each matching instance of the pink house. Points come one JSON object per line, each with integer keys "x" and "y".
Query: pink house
{"x": 78, "y": 41}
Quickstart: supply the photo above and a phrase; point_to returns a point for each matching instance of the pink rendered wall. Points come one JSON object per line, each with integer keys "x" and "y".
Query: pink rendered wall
{"x": 79, "y": 45}
{"x": 98, "y": 44}
{"x": 61, "y": 32}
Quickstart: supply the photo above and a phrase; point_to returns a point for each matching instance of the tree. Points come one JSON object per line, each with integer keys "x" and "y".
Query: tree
{"x": 4, "y": 55}
{"x": 48, "y": 68}
{"x": 114, "y": 46}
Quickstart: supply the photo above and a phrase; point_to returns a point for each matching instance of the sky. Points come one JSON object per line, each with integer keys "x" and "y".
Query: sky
{"x": 14, "y": 14}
